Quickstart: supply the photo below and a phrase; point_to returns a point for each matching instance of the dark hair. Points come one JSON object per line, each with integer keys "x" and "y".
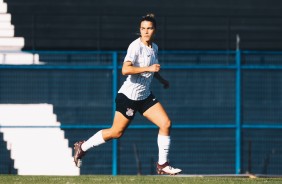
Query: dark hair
{"x": 149, "y": 17}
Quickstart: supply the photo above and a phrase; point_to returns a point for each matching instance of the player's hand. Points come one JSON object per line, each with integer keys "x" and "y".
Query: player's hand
{"x": 154, "y": 68}
{"x": 165, "y": 84}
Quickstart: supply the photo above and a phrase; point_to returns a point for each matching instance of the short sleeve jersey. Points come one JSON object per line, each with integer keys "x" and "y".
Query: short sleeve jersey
{"x": 137, "y": 86}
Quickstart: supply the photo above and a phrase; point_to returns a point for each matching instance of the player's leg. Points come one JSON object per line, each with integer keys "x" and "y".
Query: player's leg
{"x": 120, "y": 123}
{"x": 125, "y": 111}
{"x": 157, "y": 115}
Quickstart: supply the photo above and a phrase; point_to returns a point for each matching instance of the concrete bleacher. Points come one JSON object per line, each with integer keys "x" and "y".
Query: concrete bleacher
{"x": 18, "y": 58}
{"x": 39, "y": 150}
{"x": 11, "y": 46}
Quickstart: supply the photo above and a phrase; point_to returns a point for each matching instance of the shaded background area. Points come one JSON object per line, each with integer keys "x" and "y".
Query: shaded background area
{"x": 182, "y": 24}
{"x": 198, "y": 96}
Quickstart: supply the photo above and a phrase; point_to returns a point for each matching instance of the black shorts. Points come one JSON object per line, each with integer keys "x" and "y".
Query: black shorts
{"x": 129, "y": 107}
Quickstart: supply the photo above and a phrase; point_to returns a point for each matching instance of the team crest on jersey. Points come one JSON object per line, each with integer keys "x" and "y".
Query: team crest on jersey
{"x": 129, "y": 112}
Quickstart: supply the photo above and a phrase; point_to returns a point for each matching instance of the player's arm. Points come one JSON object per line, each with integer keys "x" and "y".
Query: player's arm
{"x": 161, "y": 80}
{"x": 129, "y": 69}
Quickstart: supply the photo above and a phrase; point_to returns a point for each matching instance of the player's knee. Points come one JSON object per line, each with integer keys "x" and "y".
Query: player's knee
{"x": 117, "y": 134}
{"x": 166, "y": 124}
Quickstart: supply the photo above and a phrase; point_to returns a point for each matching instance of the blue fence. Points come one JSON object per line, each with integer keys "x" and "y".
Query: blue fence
{"x": 236, "y": 94}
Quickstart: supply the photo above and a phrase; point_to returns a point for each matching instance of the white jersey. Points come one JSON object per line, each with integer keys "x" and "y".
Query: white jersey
{"x": 137, "y": 86}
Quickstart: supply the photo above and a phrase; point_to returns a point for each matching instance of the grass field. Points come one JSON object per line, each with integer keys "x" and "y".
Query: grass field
{"x": 6, "y": 179}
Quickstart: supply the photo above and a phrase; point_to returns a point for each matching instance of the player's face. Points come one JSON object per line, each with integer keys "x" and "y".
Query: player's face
{"x": 147, "y": 31}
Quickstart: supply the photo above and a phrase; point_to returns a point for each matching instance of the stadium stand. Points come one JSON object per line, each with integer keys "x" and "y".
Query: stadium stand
{"x": 30, "y": 147}
{"x": 185, "y": 25}
{"x": 10, "y": 46}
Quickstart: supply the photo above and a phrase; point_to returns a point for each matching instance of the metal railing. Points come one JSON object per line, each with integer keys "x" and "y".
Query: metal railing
{"x": 114, "y": 65}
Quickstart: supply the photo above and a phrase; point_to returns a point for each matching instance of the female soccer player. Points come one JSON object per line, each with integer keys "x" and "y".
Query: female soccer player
{"x": 140, "y": 65}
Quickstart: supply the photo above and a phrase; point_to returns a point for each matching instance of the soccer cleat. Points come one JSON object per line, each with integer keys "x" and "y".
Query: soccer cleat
{"x": 167, "y": 169}
{"x": 78, "y": 153}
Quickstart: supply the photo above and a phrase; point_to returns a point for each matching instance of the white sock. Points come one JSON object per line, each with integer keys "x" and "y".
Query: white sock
{"x": 95, "y": 140}
{"x": 163, "y": 144}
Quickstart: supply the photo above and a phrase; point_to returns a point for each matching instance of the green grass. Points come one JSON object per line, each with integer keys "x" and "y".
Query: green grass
{"x": 6, "y": 179}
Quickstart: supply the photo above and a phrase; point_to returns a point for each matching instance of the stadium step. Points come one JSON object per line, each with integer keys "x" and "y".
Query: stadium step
{"x": 19, "y": 58}
{"x": 5, "y": 17}
{"x": 10, "y": 46}
{"x": 39, "y": 150}
{"x": 6, "y": 25}
{"x": 7, "y": 32}
{"x": 3, "y": 7}
{"x": 13, "y": 43}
